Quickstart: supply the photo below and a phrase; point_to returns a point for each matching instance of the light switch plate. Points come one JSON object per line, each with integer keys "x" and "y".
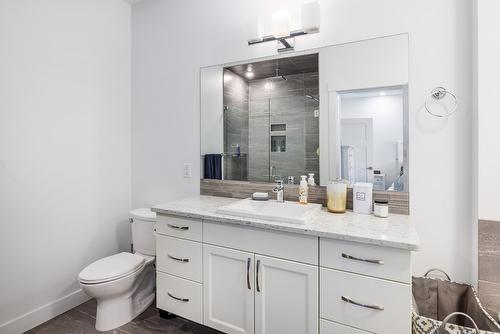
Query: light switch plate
{"x": 187, "y": 170}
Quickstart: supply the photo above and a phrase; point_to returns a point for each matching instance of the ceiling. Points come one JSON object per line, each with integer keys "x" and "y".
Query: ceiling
{"x": 287, "y": 66}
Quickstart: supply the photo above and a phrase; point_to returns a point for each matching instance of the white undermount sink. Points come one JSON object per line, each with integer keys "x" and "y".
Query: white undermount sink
{"x": 286, "y": 212}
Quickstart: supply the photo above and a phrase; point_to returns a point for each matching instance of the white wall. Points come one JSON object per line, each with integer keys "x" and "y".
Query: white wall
{"x": 64, "y": 150}
{"x": 374, "y": 63}
{"x": 173, "y": 39}
{"x": 488, "y": 54}
{"x": 387, "y": 115}
{"x": 212, "y": 117}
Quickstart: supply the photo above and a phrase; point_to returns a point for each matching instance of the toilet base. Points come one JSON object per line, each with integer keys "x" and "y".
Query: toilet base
{"x": 112, "y": 314}
{"x": 115, "y": 312}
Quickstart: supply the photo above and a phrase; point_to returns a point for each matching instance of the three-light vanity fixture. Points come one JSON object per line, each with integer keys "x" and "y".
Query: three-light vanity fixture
{"x": 282, "y": 28}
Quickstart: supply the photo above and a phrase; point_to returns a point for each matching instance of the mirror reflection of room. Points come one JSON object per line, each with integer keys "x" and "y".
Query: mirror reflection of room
{"x": 271, "y": 120}
{"x": 373, "y": 143}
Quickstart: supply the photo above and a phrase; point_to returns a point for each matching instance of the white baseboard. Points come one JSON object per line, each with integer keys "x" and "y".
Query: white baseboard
{"x": 43, "y": 313}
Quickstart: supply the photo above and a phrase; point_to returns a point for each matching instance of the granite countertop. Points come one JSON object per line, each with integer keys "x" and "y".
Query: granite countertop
{"x": 397, "y": 231}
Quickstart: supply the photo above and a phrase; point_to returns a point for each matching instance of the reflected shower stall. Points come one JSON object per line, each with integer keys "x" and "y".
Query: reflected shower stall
{"x": 271, "y": 119}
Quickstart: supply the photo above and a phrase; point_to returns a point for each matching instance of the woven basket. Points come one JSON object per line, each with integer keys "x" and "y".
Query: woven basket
{"x": 437, "y": 301}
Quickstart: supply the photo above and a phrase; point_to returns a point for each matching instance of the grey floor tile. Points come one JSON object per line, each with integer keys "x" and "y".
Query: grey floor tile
{"x": 81, "y": 320}
{"x": 88, "y": 307}
{"x": 71, "y": 322}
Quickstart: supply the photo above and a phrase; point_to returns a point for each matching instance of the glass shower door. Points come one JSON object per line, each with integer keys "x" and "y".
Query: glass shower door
{"x": 293, "y": 136}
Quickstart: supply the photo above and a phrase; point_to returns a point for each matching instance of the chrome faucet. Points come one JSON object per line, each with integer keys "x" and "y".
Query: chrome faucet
{"x": 278, "y": 189}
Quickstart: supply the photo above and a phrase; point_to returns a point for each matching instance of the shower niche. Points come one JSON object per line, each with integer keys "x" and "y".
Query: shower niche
{"x": 270, "y": 119}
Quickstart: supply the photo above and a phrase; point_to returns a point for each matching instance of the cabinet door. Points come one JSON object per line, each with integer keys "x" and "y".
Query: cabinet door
{"x": 286, "y": 297}
{"x": 228, "y": 277}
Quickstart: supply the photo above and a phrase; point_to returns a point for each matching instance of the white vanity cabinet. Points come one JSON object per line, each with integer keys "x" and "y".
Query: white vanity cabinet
{"x": 364, "y": 287}
{"x": 286, "y": 296}
{"x": 247, "y": 280}
{"x": 251, "y": 293}
{"x": 229, "y": 289}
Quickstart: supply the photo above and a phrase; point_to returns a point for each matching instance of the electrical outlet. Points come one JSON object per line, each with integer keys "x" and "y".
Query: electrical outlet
{"x": 187, "y": 170}
{"x": 316, "y": 113}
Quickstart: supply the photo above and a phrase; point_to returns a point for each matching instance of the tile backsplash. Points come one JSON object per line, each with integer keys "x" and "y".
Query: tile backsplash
{"x": 398, "y": 201}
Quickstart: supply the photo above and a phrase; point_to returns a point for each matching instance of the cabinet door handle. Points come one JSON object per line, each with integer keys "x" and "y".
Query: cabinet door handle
{"x": 175, "y": 227}
{"x": 177, "y": 298}
{"x": 257, "y": 276}
{"x": 248, "y": 274}
{"x": 346, "y": 256}
{"x": 177, "y": 258}
{"x": 373, "y": 307}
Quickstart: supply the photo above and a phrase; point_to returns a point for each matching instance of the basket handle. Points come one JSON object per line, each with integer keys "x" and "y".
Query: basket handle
{"x": 438, "y": 270}
{"x": 442, "y": 329}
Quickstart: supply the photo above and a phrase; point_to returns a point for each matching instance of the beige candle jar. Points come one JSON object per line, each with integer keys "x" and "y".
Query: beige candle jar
{"x": 336, "y": 193}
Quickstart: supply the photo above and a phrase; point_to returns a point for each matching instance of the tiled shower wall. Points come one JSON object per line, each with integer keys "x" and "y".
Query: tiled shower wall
{"x": 283, "y": 102}
{"x": 489, "y": 265}
{"x": 235, "y": 126}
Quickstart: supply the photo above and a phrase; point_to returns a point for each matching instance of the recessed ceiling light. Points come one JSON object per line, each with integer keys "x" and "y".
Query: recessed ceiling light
{"x": 249, "y": 75}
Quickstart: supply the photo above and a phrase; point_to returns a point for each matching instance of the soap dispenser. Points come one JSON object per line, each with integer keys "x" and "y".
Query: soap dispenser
{"x": 310, "y": 180}
{"x": 303, "y": 190}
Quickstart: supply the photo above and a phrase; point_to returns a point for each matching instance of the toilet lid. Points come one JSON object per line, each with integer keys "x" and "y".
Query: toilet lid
{"x": 143, "y": 214}
{"x": 111, "y": 268}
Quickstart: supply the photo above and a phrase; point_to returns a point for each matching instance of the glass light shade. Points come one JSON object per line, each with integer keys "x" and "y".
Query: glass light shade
{"x": 282, "y": 23}
{"x": 256, "y": 31}
{"x": 310, "y": 16}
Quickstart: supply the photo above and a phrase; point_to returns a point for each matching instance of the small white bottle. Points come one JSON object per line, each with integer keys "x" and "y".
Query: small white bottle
{"x": 310, "y": 180}
{"x": 303, "y": 190}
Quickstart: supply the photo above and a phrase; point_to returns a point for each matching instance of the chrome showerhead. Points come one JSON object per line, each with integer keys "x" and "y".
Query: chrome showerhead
{"x": 277, "y": 76}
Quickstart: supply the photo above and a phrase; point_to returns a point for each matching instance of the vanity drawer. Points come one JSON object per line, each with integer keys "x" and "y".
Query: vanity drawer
{"x": 185, "y": 228}
{"x": 328, "y": 327}
{"x": 179, "y": 257}
{"x": 384, "y": 262}
{"x": 340, "y": 291}
{"x": 179, "y": 296}
{"x": 290, "y": 246}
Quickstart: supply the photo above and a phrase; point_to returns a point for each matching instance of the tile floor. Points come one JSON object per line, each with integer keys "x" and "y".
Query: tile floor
{"x": 81, "y": 320}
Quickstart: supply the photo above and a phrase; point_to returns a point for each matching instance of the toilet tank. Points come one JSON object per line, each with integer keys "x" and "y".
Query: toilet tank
{"x": 142, "y": 224}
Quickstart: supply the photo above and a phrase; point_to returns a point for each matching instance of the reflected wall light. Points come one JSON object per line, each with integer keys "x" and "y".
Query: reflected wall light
{"x": 281, "y": 26}
{"x": 249, "y": 73}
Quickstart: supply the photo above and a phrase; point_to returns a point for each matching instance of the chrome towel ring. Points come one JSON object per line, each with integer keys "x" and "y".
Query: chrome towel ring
{"x": 438, "y": 94}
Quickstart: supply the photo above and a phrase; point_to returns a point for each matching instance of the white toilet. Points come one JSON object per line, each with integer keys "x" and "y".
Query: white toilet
{"x": 124, "y": 284}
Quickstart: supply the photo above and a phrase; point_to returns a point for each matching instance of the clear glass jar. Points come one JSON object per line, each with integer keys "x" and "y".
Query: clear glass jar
{"x": 336, "y": 193}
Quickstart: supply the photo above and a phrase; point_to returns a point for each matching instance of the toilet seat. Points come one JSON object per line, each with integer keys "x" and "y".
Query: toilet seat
{"x": 111, "y": 268}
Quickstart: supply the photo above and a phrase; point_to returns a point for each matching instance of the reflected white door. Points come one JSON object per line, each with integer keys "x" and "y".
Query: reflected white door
{"x": 358, "y": 133}
{"x": 286, "y": 297}
{"x": 228, "y": 290}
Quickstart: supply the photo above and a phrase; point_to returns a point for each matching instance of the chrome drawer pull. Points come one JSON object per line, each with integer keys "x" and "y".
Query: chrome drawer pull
{"x": 373, "y": 307}
{"x": 177, "y": 298}
{"x": 248, "y": 274}
{"x": 184, "y": 228}
{"x": 257, "y": 276}
{"x": 177, "y": 258}
{"x": 345, "y": 256}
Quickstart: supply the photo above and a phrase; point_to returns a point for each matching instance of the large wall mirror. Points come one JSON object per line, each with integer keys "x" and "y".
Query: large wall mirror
{"x": 337, "y": 112}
